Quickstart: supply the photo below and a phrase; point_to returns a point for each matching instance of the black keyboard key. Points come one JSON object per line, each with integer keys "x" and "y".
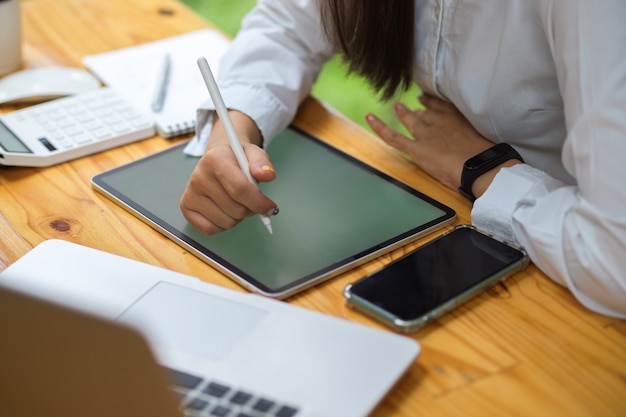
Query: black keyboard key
{"x": 286, "y": 411}
{"x": 219, "y": 391}
{"x": 216, "y": 390}
{"x": 240, "y": 398}
{"x": 197, "y": 404}
{"x": 183, "y": 379}
{"x": 263, "y": 405}
{"x": 220, "y": 411}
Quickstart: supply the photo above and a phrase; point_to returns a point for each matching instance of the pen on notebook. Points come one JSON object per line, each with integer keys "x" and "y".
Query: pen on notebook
{"x": 233, "y": 139}
{"x": 163, "y": 81}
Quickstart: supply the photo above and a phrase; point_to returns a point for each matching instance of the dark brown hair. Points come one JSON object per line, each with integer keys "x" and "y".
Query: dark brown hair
{"x": 376, "y": 39}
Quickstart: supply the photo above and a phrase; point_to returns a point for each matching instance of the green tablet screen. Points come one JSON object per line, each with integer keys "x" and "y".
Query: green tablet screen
{"x": 335, "y": 213}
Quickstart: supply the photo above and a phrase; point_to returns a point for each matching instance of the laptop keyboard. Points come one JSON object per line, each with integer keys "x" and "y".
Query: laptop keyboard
{"x": 201, "y": 397}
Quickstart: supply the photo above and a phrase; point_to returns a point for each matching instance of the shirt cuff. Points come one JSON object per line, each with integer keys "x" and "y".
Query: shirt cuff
{"x": 514, "y": 186}
{"x": 204, "y": 124}
{"x": 270, "y": 116}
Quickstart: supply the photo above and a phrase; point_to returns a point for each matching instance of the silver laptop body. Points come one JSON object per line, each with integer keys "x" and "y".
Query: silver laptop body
{"x": 292, "y": 357}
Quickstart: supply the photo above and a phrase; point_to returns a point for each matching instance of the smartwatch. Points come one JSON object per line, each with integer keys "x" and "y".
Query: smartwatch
{"x": 484, "y": 162}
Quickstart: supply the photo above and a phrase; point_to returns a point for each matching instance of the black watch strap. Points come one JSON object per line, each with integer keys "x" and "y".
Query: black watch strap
{"x": 484, "y": 162}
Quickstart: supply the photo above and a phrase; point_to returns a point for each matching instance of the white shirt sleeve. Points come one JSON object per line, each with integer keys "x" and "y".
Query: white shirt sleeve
{"x": 270, "y": 67}
{"x": 576, "y": 234}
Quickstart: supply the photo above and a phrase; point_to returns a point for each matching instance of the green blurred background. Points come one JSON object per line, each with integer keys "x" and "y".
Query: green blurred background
{"x": 351, "y": 95}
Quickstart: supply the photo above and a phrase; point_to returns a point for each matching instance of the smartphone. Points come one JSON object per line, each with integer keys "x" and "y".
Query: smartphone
{"x": 431, "y": 280}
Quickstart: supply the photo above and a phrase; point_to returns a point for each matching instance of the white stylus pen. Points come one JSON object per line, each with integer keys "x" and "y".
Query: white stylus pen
{"x": 233, "y": 139}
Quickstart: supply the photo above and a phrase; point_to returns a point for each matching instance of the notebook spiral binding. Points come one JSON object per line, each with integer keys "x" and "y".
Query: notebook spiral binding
{"x": 178, "y": 129}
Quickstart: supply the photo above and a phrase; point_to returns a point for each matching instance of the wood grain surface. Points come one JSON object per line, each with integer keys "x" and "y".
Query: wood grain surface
{"x": 523, "y": 348}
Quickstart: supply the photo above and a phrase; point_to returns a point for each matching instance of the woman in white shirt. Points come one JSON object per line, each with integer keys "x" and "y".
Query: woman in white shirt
{"x": 545, "y": 78}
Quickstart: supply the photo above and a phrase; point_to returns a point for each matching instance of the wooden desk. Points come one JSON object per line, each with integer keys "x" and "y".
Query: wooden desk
{"x": 524, "y": 348}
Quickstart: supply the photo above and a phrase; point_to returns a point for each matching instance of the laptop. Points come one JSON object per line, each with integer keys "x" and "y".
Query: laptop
{"x": 85, "y": 327}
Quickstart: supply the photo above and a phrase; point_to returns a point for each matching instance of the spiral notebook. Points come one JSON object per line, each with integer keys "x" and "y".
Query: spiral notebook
{"x": 134, "y": 73}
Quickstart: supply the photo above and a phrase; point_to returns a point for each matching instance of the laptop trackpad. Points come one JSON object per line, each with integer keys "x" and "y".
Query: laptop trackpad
{"x": 194, "y": 322}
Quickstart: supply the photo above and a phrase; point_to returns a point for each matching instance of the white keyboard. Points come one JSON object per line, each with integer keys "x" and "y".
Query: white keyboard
{"x": 70, "y": 127}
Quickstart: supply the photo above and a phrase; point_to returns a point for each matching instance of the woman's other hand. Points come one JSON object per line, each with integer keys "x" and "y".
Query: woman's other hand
{"x": 443, "y": 139}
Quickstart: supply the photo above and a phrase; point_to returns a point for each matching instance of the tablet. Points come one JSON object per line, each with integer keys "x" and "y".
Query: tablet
{"x": 336, "y": 212}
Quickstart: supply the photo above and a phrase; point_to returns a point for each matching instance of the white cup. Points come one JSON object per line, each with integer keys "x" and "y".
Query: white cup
{"x": 10, "y": 36}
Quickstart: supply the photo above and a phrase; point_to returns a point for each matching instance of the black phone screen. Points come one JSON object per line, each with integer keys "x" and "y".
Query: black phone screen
{"x": 436, "y": 273}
